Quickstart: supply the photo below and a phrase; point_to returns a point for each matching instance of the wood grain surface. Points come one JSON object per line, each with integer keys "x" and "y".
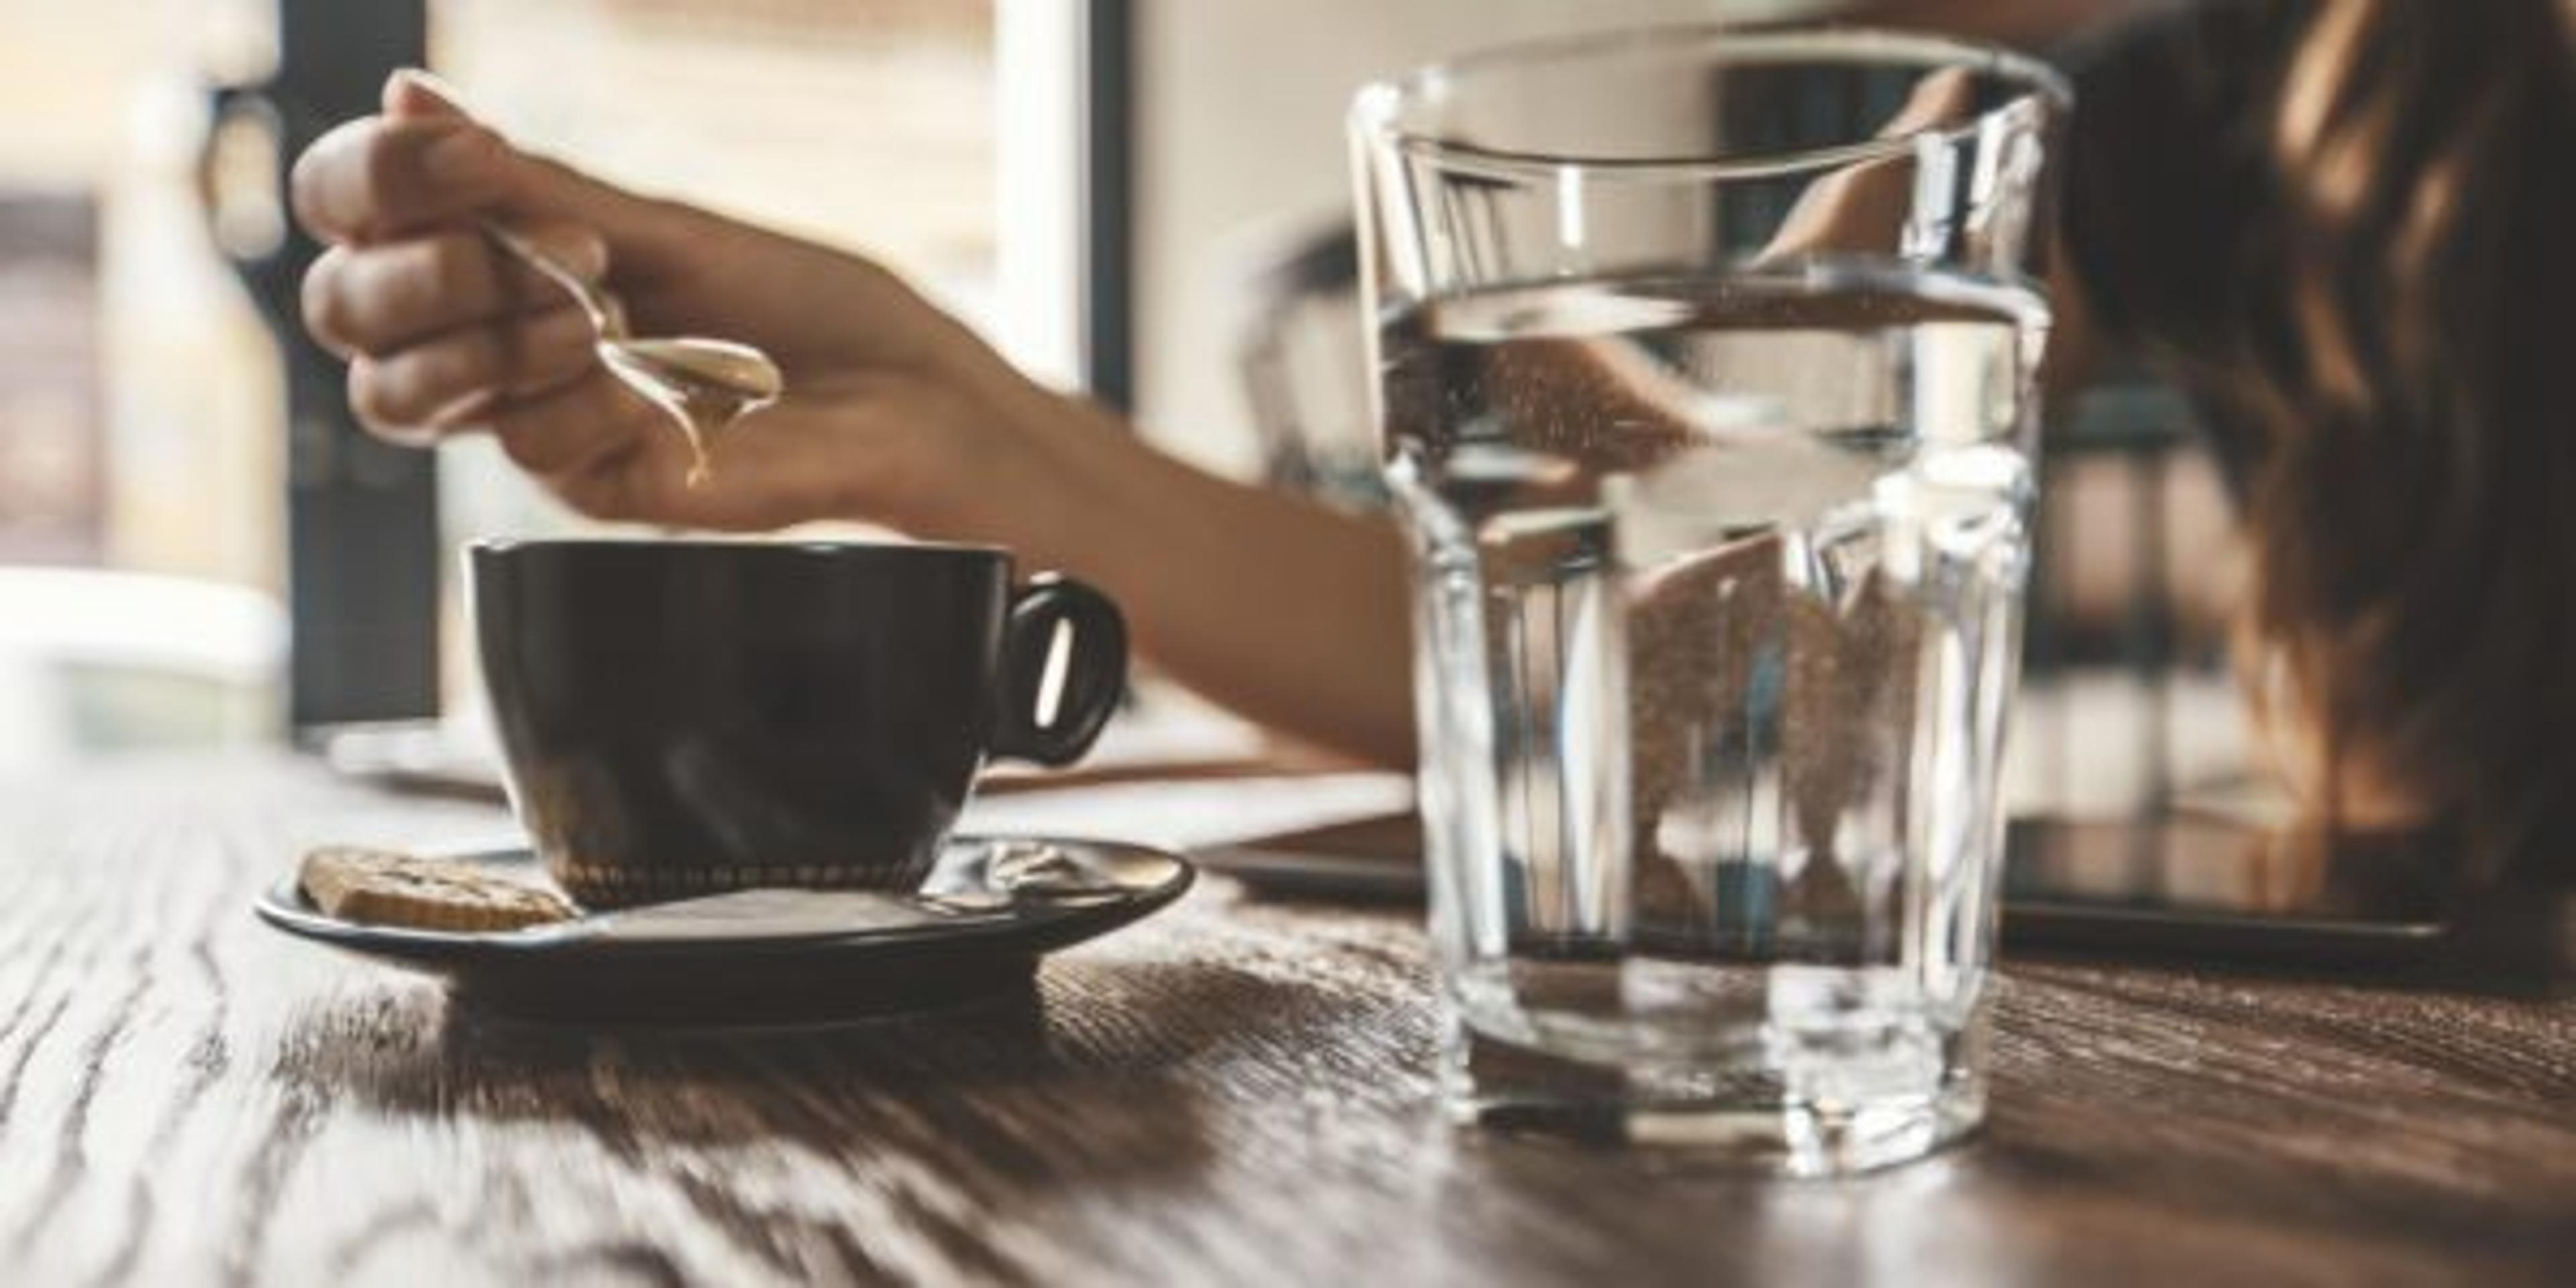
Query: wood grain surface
{"x": 1235, "y": 1092}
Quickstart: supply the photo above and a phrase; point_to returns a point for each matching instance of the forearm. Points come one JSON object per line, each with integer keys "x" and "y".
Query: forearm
{"x": 1294, "y": 615}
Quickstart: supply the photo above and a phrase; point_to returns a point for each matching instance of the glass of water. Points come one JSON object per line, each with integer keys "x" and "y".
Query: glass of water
{"x": 1705, "y": 381}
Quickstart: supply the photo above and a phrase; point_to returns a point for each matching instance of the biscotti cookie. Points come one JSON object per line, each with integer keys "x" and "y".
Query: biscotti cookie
{"x": 388, "y": 889}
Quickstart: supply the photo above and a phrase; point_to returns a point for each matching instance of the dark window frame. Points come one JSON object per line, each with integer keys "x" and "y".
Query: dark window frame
{"x": 362, "y": 516}
{"x": 1108, "y": 52}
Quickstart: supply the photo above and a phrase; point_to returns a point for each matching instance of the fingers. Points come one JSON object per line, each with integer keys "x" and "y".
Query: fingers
{"x": 427, "y": 162}
{"x": 379, "y": 177}
{"x": 447, "y": 382}
{"x": 572, "y": 429}
{"x": 576, "y": 433}
{"x": 375, "y": 299}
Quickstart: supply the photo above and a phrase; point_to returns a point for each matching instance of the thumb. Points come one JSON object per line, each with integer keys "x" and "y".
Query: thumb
{"x": 530, "y": 186}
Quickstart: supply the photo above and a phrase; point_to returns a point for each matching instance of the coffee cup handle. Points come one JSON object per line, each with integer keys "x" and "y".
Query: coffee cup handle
{"x": 1093, "y": 675}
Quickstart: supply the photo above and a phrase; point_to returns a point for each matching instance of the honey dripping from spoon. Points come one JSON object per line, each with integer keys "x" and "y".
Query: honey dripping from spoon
{"x": 705, "y": 385}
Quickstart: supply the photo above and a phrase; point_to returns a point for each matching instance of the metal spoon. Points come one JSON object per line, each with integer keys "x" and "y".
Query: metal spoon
{"x": 705, "y": 384}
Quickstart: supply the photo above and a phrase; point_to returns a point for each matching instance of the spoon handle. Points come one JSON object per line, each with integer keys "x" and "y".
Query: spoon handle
{"x": 607, "y": 312}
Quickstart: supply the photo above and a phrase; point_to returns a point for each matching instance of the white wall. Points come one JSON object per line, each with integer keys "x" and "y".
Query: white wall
{"x": 1239, "y": 138}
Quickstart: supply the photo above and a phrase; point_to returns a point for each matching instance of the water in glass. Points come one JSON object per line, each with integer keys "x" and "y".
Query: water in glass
{"x": 1719, "y": 585}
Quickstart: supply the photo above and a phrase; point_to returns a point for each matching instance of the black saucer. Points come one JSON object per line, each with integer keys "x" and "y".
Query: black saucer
{"x": 1000, "y": 904}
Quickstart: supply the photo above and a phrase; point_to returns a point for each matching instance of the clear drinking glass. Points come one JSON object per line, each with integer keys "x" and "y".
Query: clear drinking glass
{"x": 1705, "y": 384}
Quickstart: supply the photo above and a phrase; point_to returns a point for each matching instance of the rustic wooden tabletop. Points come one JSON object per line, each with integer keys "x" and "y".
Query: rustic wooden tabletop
{"x": 1234, "y": 1092}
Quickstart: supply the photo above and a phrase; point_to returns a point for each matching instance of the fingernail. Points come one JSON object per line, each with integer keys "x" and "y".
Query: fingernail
{"x": 463, "y": 157}
{"x": 420, "y": 84}
{"x": 586, "y": 254}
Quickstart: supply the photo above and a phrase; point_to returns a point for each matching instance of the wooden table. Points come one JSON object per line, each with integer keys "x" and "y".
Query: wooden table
{"x": 1233, "y": 1093}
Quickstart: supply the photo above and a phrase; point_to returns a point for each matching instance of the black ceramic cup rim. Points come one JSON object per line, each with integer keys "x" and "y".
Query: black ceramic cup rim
{"x": 506, "y": 547}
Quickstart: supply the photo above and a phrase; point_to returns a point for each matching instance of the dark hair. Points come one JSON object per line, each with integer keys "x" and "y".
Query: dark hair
{"x": 2379, "y": 316}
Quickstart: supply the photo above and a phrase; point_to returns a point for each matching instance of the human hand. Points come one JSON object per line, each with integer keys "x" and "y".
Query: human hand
{"x": 894, "y": 411}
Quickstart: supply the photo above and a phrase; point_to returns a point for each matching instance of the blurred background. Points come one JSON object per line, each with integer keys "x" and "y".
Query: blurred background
{"x": 1145, "y": 198}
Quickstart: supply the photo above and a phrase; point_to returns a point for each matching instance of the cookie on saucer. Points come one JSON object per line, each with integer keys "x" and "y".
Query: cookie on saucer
{"x": 382, "y": 888}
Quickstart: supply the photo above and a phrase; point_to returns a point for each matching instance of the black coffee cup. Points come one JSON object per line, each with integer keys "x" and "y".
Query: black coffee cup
{"x": 680, "y": 718}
